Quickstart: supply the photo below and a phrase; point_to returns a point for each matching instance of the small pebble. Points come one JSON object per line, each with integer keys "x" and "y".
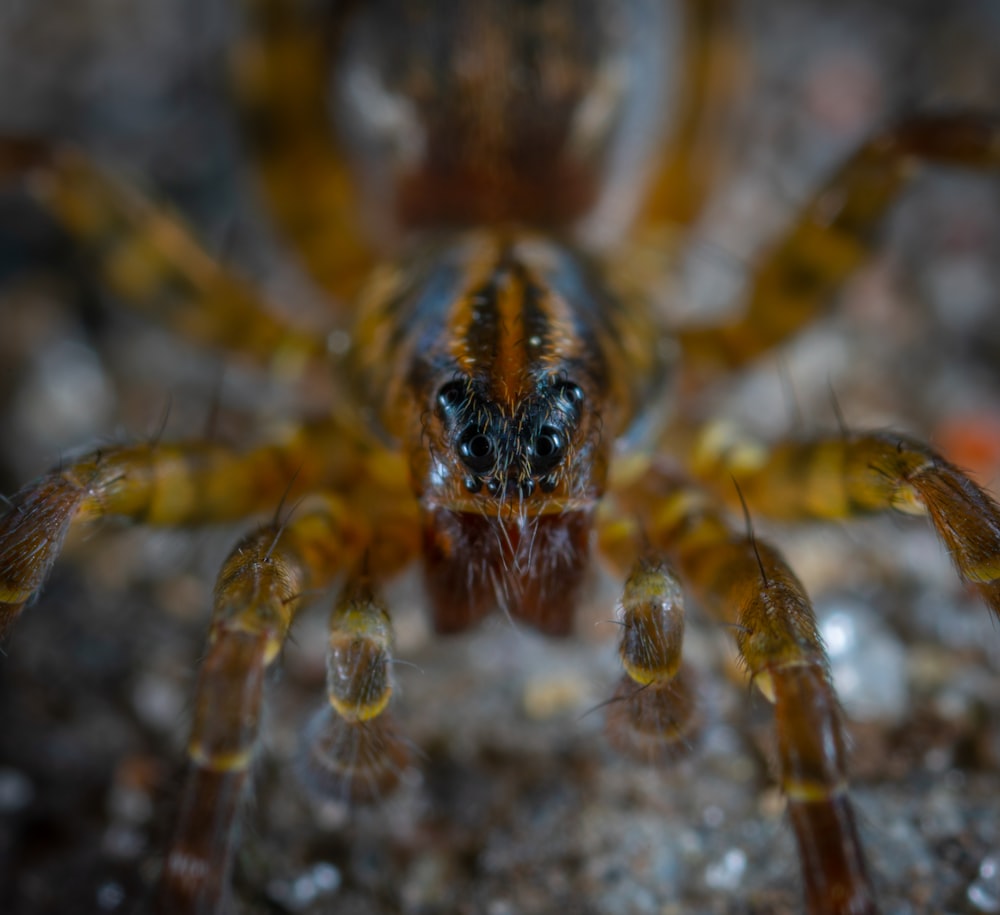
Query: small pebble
{"x": 320, "y": 882}
{"x": 713, "y": 816}
{"x": 984, "y": 891}
{"x": 16, "y": 790}
{"x": 110, "y": 896}
{"x": 867, "y": 661}
{"x": 727, "y": 874}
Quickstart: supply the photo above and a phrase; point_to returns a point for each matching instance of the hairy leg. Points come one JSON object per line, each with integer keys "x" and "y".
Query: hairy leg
{"x": 709, "y": 81}
{"x": 860, "y": 473}
{"x": 184, "y": 484}
{"x": 258, "y": 590}
{"x": 652, "y": 715}
{"x": 797, "y": 278}
{"x": 352, "y": 750}
{"x": 282, "y": 71}
{"x": 748, "y": 587}
{"x": 150, "y": 260}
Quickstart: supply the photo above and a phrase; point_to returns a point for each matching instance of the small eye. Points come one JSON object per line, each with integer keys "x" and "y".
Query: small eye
{"x": 547, "y": 449}
{"x": 571, "y": 392}
{"x": 477, "y": 450}
{"x": 450, "y": 396}
{"x": 572, "y": 397}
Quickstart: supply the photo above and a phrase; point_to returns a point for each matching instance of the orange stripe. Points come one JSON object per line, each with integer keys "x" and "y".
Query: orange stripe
{"x": 510, "y": 367}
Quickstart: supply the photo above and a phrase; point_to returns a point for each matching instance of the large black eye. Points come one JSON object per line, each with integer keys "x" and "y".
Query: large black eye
{"x": 450, "y": 396}
{"x": 477, "y": 450}
{"x": 547, "y": 449}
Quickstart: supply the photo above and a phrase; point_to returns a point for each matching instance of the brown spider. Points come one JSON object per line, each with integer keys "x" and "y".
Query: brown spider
{"x": 511, "y": 374}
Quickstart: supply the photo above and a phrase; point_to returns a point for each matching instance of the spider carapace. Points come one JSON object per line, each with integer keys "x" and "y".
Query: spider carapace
{"x": 503, "y": 389}
{"x": 511, "y": 374}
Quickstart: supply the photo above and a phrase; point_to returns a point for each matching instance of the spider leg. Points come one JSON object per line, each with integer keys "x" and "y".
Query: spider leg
{"x": 182, "y": 484}
{"x": 748, "y": 587}
{"x": 352, "y": 750}
{"x": 150, "y": 260}
{"x": 861, "y": 473}
{"x": 688, "y": 163}
{"x": 651, "y": 716}
{"x": 281, "y": 70}
{"x": 797, "y": 278}
{"x": 711, "y": 66}
{"x": 257, "y": 592}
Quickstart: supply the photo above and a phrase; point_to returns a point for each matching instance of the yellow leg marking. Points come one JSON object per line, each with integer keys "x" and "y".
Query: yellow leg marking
{"x": 258, "y": 590}
{"x": 747, "y": 585}
{"x": 859, "y": 474}
{"x": 809, "y": 792}
{"x": 829, "y": 241}
{"x": 219, "y": 762}
{"x": 152, "y": 262}
{"x": 281, "y": 71}
{"x": 360, "y": 651}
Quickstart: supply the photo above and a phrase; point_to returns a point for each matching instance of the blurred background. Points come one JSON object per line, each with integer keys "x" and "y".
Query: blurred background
{"x": 516, "y": 804}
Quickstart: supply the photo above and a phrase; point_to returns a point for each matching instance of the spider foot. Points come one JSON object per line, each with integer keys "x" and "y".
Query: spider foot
{"x": 352, "y": 761}
{"x": 31, "y": 535}
{"x": 353, "y": 751}
{"x": 656, "y": 723}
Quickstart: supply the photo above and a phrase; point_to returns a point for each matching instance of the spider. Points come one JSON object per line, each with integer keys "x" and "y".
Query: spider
{"x": 513, "y": 464}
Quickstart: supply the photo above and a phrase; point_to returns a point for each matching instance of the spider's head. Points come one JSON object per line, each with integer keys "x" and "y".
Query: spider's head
{"x": 508, "y": 484}
{"x": 500, "y": 385}
{"x": 507, "y": 369}
{"x": 508, "y": 470}
{"x": 534, "y": 453}
{"x": 508, "y": 372}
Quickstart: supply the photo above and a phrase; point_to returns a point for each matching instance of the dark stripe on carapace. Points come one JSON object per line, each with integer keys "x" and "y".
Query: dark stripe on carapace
{"x": 514, "y": 329}
{"x": 511, "y": 320}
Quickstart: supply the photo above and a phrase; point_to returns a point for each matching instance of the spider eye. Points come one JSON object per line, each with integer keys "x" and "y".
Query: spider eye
{"x": 571, "y": 396}
{"x": 548, "y": 448}
{"x": 571, "y": 393}
{"x": 477, "y": 450}
{"x": 450, "y": 396}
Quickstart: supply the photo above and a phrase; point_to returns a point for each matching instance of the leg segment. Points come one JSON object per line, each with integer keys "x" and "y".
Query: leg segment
{"x": 151, "y": 261}
{"x": 652, "y": 714}
{"x": 282, "y": 73}
{"x": 257, "y": 592}
{"x": 748, "y": 587}
{"x": 352, "y": 750}
{"x": 797, "y": 278}
{"x": 177, "y": 485}
{"x": 862, "y": 473}
{"x": 709, "y": 82}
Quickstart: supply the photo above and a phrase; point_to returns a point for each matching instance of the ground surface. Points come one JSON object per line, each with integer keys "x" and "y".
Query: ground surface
{"x": 516, "y": 804}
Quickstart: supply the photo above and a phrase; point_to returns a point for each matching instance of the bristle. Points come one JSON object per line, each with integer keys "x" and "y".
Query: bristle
{"x": 347, "y": 761}
{"x": 656, "y": 723}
